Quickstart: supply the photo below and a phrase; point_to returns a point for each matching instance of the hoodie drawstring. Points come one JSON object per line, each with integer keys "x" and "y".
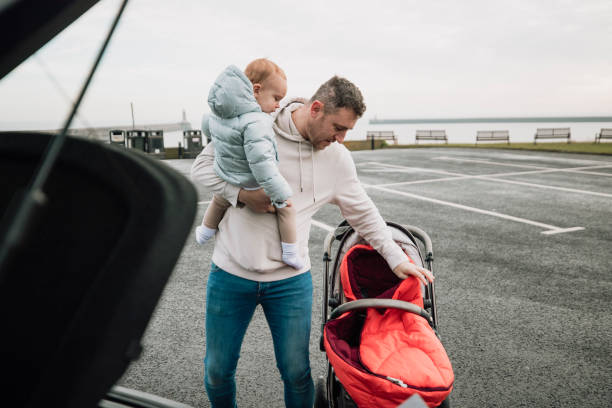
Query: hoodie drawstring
{"x": 314, "y": 196}
{"x": 290, "y": 132}
{"x": 300, "y": 153}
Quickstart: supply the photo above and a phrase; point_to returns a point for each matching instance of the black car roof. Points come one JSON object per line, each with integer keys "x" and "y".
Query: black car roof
{"x": 27, "y": 25}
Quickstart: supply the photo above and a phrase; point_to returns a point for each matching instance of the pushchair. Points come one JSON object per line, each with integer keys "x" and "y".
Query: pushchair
{"x": 380, "y": 339}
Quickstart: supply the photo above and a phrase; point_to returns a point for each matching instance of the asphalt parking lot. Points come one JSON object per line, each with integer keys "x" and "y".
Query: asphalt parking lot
{"x": 523, "y": 263}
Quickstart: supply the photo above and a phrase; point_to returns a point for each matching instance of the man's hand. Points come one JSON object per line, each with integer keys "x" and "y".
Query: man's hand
{"x": 407, "y": 268}
{"x": 256, "y": 200}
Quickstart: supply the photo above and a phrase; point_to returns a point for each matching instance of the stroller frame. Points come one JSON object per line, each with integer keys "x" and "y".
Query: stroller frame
{"x": 328, "y": 391}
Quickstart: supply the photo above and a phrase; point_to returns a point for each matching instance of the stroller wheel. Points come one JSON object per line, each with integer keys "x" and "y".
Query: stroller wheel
{"x": 320, "y": 394}
{"x": 445, "y": 403}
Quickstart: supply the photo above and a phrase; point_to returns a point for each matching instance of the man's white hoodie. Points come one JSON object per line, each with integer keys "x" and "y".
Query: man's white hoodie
{"x": 248, "y": 244}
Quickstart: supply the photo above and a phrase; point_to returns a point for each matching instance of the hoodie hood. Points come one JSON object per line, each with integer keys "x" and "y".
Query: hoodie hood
{"x": 232, "y": 94}
{"x": 284, "y": 127}
{"x": 283, "y": 124}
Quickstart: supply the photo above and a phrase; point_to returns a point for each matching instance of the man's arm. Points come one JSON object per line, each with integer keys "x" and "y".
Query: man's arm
{"x": 364, "y": 217}
{"x": 203, "y": 173}
{"x": 256, "y": 200}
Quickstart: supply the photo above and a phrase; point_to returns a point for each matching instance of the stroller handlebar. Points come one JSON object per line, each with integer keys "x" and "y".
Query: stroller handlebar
{"x": 422, "y": 236}
{"x": 380, "y": 304}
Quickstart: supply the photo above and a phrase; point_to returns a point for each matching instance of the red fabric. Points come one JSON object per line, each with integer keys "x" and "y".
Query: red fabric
{"x": 363, "y": 268}
{"x": 394, "y": 343}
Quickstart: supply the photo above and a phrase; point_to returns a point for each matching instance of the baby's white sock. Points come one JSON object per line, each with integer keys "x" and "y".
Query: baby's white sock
{"x": 203, "y": 233}
{"x": 290, "y": 255}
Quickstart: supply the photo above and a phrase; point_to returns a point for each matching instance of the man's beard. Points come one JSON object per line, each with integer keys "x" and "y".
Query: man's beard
{"x": 313, "y": 131}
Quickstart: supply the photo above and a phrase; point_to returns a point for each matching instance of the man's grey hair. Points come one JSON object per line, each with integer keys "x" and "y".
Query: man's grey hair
{"x": 339, "y": 93}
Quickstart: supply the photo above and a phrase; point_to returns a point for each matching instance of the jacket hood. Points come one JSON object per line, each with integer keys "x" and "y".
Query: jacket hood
{"x": 283, "y": 124}
{"x": 232, "y": 94}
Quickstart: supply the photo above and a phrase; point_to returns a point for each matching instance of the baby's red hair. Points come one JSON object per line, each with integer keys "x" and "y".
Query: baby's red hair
{"x": 258, "y": 70}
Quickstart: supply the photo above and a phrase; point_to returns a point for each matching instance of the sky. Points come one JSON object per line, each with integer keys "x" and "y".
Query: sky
{"x": 411, "y": 59}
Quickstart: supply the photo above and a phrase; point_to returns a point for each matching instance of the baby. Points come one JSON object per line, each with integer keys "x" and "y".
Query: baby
{"x": 245, "y": 146}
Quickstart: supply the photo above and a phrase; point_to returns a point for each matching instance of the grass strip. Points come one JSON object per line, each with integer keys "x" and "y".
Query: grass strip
{"x": 574, "y": 147}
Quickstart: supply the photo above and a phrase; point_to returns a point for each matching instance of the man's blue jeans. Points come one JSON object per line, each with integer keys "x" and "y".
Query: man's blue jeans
{"x": 230, "y": 304}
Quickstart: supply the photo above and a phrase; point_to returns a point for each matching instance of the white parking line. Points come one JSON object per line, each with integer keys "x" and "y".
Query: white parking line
{"x": 401, "y": 183}
{"x": 545, "y": 169}
{"x": 488, "y": 162}
{"x": 529, "y": 157}
{"x": 405, "y": 169}
{"x": 556, "y": 170}
{"x": 490, "y": 177}
{"x": 322, "y": 226}
{"x": 581, "y": 170}
{"x": 549, "y": 229}
{"x": 562, "y": 230}
{"x": 569, "y": 190}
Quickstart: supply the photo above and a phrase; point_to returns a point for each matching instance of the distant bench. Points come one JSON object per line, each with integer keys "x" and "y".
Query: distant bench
{"x": 374, "y": 135}
{"x": 552, "y": 133}
{"x": 381, "y": 135}
{"x": 493, "y": 136}
{"x": 603, "y": 134}
{"x": 431, "y": 135}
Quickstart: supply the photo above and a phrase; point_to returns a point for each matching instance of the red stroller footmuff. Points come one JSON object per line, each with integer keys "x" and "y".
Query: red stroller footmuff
{"x": 385, "y": 357}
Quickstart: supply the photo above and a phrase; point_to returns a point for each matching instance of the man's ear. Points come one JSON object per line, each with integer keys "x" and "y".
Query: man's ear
{"x": 316, "y": 108}
{"x": 256, "y": 88}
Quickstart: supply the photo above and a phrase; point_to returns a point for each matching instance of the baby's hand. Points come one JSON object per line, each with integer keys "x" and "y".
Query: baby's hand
{"x": 288, "y": 202}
